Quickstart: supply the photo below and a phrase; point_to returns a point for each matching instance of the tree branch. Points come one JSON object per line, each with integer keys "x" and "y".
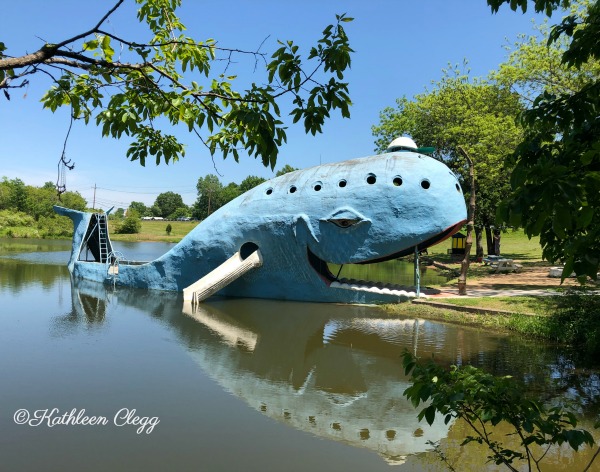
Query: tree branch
{"x": 93, "y": 30}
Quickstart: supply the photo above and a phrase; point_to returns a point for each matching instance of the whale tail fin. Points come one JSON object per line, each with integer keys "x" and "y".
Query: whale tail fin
{"x": 90, "y": 232}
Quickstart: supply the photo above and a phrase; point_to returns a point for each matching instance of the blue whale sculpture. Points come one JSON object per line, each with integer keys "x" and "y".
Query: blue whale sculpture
{"x": 358, "y": 211}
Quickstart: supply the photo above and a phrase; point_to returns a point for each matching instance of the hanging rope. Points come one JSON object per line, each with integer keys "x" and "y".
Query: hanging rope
{"x": 63, "y": 165}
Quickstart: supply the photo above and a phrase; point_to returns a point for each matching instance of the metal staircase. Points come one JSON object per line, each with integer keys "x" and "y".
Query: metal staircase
{"x": 97, "y": 240}
{"x": 102, "y": 236}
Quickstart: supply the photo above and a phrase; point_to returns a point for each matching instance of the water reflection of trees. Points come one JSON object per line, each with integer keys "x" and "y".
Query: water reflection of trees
{"x": 18, "y": 275}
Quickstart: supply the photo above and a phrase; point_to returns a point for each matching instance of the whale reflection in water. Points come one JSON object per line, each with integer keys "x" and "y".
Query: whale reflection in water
{"x": 333, "y": 371}
{"x": 318, "y": 375}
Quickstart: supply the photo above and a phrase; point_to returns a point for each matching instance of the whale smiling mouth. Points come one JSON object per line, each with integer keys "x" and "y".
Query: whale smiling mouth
{"x": 321, "y": 267}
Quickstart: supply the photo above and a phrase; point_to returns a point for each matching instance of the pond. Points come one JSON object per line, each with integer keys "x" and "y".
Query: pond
{"x": 235, "y": 384}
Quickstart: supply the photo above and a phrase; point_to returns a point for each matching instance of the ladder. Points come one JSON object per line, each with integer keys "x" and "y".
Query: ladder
{"x": 102, "y": 236}
{"x": 112, "y": 266}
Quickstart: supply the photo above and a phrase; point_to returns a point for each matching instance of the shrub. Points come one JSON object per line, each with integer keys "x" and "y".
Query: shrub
{"x": 576, "y": 321}
{"x": 130, "y": 225}
{"x": 9, "y": 218}
{"x": 55, "y": 227}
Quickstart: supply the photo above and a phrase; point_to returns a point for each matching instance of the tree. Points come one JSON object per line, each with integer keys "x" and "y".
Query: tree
{"x": 131, "y": 224}
{"x": 285, "y": 170}
{"x": 181, "y": 212}
{"x": 209, "y": 188}
{"x": 140, "y": 208}
{"x": 556, "y": 178}
{"x": 229, "y": 192}
{"x": 13, "y": 195}
{"x": 72, "y": 200}
{"x": 167, "y": 203}
{"x": 155, "y": 210}
{"x": 464, "y": 264}
{"x": 250, "y": 182}
{"x": 483, "y": 401}
{"x": 534, "y": 66}
{"x": 459, "y": 111}
{"x": 169, "y": 77}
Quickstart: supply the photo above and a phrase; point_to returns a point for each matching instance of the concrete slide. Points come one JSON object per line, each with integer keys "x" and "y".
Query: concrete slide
{"x": 232, "y": 269}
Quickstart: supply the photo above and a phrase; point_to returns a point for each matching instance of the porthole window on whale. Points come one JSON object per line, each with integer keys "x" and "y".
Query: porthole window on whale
{"x": 458, "y": 188}
{"x": 342, "y": 183}
{"x": 397, "y": 181}
{"x": 317, "y": 186}
{"x": 371, "y": 179}
{"x": 247, "y": 249}
{"x": 269, "y": 191}
{"x": 293, "y": 189}
{"x": 425, "y": 184}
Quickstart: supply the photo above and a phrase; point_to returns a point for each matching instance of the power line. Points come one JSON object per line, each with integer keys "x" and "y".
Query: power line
{"x": 143, "y": 193}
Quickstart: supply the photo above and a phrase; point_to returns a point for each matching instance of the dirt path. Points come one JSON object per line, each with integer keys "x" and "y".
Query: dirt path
{"x": 529, "y": 281}
{"x": 529, "y": 277}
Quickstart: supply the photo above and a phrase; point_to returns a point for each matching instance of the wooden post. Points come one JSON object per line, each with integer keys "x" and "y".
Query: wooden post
{"x": 464, "y": 265}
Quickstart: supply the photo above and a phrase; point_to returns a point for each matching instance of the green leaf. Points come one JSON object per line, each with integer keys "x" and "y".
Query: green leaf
{"x": 106, "y": 48}
{"x": 585, "y": 217}
{"x": 90, "y": 45}
{"x": 430, "y": 414}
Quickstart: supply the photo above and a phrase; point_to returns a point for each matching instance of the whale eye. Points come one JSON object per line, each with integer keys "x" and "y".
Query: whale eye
{"x": 344, "y": 222}
{"x": 345, "y": 217}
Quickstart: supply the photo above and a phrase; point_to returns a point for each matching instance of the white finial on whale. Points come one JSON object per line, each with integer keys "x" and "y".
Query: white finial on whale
{"x": 403, "y": 143}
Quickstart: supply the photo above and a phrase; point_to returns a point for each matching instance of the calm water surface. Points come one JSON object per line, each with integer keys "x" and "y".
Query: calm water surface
{"x": 236, "y": 384}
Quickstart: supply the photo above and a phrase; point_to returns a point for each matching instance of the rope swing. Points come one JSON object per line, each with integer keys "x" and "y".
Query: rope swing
{"x": 63, "y": 165}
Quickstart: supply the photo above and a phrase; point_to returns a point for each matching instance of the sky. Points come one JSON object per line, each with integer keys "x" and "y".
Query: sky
{"x": 400, "y": 47}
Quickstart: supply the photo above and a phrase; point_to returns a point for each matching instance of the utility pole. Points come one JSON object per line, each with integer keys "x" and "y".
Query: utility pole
{"x": 94, "y": 203}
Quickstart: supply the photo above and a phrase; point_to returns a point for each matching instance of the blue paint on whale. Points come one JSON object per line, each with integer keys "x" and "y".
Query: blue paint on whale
{"x": 358, "y": 211}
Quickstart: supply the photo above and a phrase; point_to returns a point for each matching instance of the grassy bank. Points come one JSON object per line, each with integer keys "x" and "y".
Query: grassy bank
{"x": 514, "y": 244}
{"x": 21, "y": 225}
{"x": 155, "y": 231}
{"x": 572, "y": 319}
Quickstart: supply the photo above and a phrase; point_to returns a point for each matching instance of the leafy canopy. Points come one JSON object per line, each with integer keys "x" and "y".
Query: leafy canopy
{"x": 168, "y": 203}
{"x": 460, "y": 111}
{"x": 127, "y": 87}
{"x": 556, "y": 178}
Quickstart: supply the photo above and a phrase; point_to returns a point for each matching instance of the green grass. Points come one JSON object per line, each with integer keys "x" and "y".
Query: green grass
{"x": 156, "y": 231}
{"x": 514, "y": 244}
{"x": 535, "y": 305}
{"x": 571, "y": 319}
{"x": 500, "y": 323}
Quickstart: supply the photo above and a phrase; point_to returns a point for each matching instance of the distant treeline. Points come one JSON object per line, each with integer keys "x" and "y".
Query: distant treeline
{"x": 212, "y": 195}
{"x": 26, "y": 211}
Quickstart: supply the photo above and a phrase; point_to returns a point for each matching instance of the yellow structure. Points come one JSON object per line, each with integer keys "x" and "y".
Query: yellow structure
{"x": 458, "y": 243}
